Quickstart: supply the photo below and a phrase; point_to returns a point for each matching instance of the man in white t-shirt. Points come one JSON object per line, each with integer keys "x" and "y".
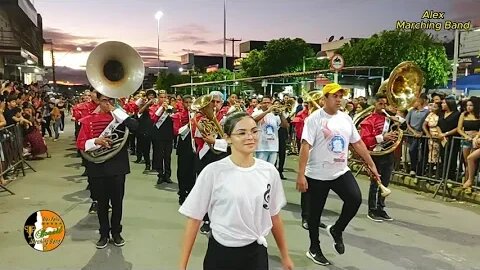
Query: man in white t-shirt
{"x": 268, "y": 124}
{"x": 323, "y": 166}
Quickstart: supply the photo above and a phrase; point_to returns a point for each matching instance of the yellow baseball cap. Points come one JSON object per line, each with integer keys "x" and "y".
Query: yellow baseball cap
{"x": 332, "y": 88}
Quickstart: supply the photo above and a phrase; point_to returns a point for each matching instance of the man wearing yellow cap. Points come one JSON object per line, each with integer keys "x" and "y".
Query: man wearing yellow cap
{"x": 323, "y": 166}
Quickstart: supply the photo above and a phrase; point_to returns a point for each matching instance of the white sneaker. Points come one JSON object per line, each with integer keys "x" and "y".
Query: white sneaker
{"x": 413, "y": 173}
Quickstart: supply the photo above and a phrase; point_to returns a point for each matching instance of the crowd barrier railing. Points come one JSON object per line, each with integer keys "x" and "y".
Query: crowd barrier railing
{"x": 439, "y": 162}
{"x": 11, "y": 152}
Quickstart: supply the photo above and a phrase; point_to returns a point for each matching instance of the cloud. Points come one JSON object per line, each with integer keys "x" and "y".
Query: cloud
{"x": 76, "y": 76}
{"x": 65, "y": 42}
{"x": 209, "y": 42}
{"x": 185, "y": 51}
{"x": 191, "y": 33}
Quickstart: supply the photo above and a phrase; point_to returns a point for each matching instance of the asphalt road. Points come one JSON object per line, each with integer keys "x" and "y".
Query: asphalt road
{"x": 426, "y": 233}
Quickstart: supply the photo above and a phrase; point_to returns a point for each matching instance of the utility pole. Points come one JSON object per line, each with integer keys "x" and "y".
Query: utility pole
{"x": 53, "y": 63}
{"x": 233, "y": 40}
{"x": 224, "y": 33}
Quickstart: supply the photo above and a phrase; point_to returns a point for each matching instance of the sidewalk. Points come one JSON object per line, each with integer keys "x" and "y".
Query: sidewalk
{"x": 426, "y": 233}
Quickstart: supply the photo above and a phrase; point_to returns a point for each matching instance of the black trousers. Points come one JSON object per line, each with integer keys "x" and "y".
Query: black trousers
{"x": 384, "y": 166}
{"x": 143, "y": 148}
{"x": 219, "y": 257}
{"x": 304, "y": 203}
{"x": 110, "y": 189}
{"x": 46, "y": 126}
{"x": 162, "y": 158}
{"x": 131, "y": 142}
{"x": 416, "y": 155}
{"x": 282, "y": 148}
{"x": 185, "y": 163}
{"x": 346, "y": 188}
{"x": 92, "y": 189}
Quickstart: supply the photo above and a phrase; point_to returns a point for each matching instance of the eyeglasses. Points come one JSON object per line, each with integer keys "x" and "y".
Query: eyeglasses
{"x": 245, "y": 135}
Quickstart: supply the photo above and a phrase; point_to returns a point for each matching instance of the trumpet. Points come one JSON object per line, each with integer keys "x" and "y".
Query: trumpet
{"x": 280, "y": 109}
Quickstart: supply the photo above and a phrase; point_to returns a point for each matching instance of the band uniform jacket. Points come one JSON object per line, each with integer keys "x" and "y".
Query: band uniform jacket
{"x": 373, "y": 128}
{"x": 83, "y": 109}
{"x": 165, "y": 131}
{"x": 92, "y": 127}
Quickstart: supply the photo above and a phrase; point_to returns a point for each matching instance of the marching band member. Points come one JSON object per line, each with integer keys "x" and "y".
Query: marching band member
{"x": 244, "y": 196}
{"x": 185, "y": 151}
{"x": 269, "y": 122}
{"x": 323, "y": 166}
{"x": 131, "y": 108}
{"x": 107, "y": 178}
{"x": 252, "y": 105}
{"x": 205, "y": 155}
{"x": 145, "y": 128}
{"x": 162, "y": 138}
{"x": 374, "y": 130}
{"x": 79, "y": 111}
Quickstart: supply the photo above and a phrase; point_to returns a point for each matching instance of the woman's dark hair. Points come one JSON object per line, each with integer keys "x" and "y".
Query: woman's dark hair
{"x": 232, "y": 121}
{"x": 451, "y": 104}
{"x": 476, "y": 106}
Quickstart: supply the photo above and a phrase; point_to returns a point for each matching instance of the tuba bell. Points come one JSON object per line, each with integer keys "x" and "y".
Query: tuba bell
{"x": 402, "y": 87}
{"x": 210, "y": 125}
{"x": 115, "y": 70}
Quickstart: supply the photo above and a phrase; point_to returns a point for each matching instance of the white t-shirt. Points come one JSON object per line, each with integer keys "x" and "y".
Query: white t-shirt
{"x": 268, "y": 127}
{"x": 329, "y": 136}
{"x": 240, "y": 201}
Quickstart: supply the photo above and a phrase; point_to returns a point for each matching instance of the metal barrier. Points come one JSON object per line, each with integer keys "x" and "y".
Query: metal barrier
{"x": 11, "y": 152}
{"x": 439, "y": 162}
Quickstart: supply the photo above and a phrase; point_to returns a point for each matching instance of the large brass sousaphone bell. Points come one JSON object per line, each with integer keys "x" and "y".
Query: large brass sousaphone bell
{"x": 402, "y": 88}
{"x": 115, "y": 70}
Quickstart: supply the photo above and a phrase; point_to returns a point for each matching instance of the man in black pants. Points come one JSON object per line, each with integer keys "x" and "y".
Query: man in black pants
{"x": 162, "y": 138}
{"x": 145, "y": 128}
{"x": 374, "y": 130}
{"x": 185, "y": 153}
{"x": 323, "y": 166}
{"x": 108, "y": 177}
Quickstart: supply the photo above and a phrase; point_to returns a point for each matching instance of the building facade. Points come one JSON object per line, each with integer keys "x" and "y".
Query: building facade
{"x": 21, "y": 41}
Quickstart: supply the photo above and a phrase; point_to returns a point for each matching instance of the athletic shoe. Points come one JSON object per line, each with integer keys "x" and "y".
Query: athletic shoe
{"x": 318, "y": 258}
{"x": 383, "y": 215}
{"x": 337, "y": 239}
{"x": 374, "y": 216}
{"x": 102, "y": 243}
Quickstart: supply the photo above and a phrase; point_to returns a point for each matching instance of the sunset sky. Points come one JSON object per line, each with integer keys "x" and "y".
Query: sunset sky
{"x": 197, "y": 25}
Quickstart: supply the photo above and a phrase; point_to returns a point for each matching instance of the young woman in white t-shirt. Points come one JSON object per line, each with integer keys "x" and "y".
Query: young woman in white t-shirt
{"x": 243, "y": 196}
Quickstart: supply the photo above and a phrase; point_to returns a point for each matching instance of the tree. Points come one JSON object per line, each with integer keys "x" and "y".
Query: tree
{"x": 166, "y": 80}
{"x": 389, "y": 48}
{"x": 220, "y": 75}
{"x": 281, "y": 55}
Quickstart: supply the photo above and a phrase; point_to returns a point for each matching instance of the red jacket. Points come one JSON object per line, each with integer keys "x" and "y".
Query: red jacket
{"x": 179, "y": 119}
{"x": 91, "y": 127}
{"x": 371, "y": 127}
{"x": 299, "y": 121}
{"x": 83, "y": 109}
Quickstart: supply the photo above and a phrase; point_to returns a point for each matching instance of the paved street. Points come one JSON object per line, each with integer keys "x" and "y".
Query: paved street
{"x": 426, "y": 233}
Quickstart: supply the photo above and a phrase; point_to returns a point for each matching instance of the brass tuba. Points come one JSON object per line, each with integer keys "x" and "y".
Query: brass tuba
{"x": 402, "y": 88}
{"x": 314, "y": 100}
{"x": 115, "y": 70}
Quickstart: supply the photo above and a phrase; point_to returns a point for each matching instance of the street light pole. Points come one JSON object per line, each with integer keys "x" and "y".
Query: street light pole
{"x": 191, "y": 85}
{"x": 158, "y": 16}
{"x": 455, "y": 62}
{"x": 224, "y": 33}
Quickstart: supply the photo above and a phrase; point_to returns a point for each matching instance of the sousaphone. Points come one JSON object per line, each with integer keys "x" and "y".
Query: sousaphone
{"x": 115, "y": 70}
{"x": 401, "y": 89}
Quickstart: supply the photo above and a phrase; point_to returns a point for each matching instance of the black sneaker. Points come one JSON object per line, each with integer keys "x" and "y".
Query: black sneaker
{"x": 322, "y": 225}
{"x": 160, "y": 180}
{"x": 93, "y": 208}
{"x": 282, "y": 176}
{"x": 383, "y": 215}
{"x": 318, "y": 258}
{"x": 118, "y": 240}
{"x": 337, "y": 239}
{"x": 102, "y": 243}
{"x": 373, "y": 215}
{"x": 205, "y": 229}
{"x": 168, "y": 180}
{"x": 305, "y": 224}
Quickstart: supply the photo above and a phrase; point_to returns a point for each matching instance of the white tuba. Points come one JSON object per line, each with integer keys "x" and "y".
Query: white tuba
{"x": 115, "y": 70}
